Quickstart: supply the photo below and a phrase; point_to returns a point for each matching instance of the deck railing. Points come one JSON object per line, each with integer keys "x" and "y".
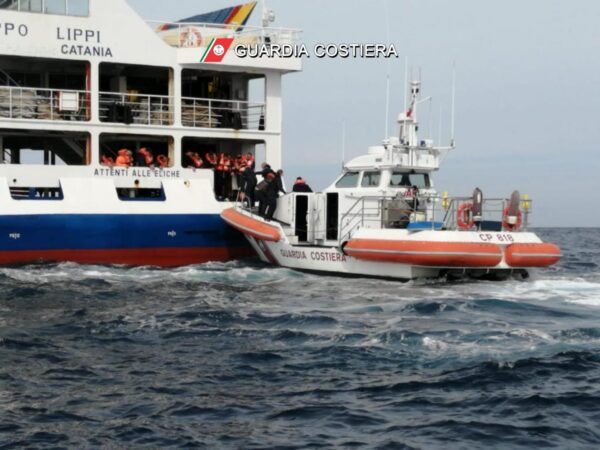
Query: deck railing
{"x": 182, "y": 35}
{"x": 432, "y": 211}
{"x": 211, "y": 113}
{"x": 44, "y": 104}
{"x": 139, "y": 109}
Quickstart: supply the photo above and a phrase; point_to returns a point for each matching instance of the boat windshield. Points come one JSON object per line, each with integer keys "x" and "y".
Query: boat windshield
{"x": 407, "y": 179}
{"x": 349, "y": 180}
{"x": 371, "y": 179}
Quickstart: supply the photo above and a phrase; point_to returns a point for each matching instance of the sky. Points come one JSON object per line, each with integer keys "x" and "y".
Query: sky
{"x": 527, "y": 92}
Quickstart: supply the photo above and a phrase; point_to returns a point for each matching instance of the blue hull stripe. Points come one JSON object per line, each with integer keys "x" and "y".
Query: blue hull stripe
{"x": 114, "y": 231}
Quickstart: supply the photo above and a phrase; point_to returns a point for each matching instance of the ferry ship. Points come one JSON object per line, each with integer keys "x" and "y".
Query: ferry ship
{"x": 112, "y": 128}
{"x": 383, "y": 217}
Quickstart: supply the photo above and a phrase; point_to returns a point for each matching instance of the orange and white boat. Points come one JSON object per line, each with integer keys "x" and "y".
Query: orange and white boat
{"x": 383, "y": 217}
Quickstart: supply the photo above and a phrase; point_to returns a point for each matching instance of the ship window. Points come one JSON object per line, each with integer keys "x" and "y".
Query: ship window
{"x": 9, "y": 4}
{"x": 44, "y": 148}
{"x": 36, "y": 193}
{"x": 55, "y": 7}
{"x": 62, "y": 7}
{"x": 371, "y": 179}
{"x": 129, "y": 150}
{"x": 137, "y": 194}
{"x": 78, "y": 8}
{"x": 407, "y": 179}
{"x": 349, "y": 180}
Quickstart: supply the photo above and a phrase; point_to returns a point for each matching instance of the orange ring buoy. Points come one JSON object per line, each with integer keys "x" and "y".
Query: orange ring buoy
{"x": 464, "y": 216}
{"x": 162, "y": 160}
{"x": 508, "y": 226}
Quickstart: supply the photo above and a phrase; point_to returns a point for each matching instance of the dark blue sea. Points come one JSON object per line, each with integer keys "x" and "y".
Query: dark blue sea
{"x": 245, "y": 356}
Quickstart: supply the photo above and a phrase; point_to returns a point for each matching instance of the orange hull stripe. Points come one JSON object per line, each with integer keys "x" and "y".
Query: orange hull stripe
{"x": 250, "y": 226}
{"x": 422, "y": 253}
{"x": 532, "y": 255}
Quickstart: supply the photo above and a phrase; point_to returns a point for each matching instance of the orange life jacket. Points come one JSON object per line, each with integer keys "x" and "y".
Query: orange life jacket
{"x": 211, "y": 158}
{"x": 163, "y": 161}
{"x": 195, "y": 158}
{"x": 108, "y": 160}
{"x": 148, "y": 158}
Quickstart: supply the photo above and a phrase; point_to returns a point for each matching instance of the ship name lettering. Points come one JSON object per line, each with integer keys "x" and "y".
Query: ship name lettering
{"x": 82, "y": 50}
{"x": 8, "y": 28}
{"x": 138, "y": 173}
{"x": 327, "y": 257}
{"x": 296, "y": 254}
{"x": 78, "y": 35}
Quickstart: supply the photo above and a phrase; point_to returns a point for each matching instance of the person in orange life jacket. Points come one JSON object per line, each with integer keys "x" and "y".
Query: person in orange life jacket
{"x": 193, "y": 160}
{"x": 107, "y": 160}
{"x": 251, "y": 161}
{"x": 227, "y": 176}
{"x": 163, "y": 161}
{"x": 144, "y": 157}
{"x": 301, "y": 186}
{"x": 124, "y": 158}
{"x": 239, "y": 165}
{"x": 211, "y": 160}
{"x": 219, "y": 175}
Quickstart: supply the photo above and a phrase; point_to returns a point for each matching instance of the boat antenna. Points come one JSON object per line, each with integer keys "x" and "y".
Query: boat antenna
{"x": 268, "y": 15}
{"x": 440, "y": 126}
{"x": 387, "y": 81}
{"x": 405, "y": 83}
{"x": 343, "y": 144}
{"x": 453, "y": 125}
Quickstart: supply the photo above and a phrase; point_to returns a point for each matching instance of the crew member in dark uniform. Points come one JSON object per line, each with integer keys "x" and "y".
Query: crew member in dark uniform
{"x": 301, "y": 186}
{"x": 249, "y": 185}
{"x": 270, "y": 196}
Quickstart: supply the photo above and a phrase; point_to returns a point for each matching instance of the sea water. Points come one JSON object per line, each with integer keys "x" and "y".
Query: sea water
{"x": 247, "y": 356}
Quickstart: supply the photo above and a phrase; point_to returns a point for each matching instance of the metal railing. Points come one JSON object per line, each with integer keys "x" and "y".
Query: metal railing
{"x": 188, "y": 34}
{"x": 210, "y": 113}
{"x": 60, "y": 7}
{"x": 133, "y": 108}
{"x": 44, "y": 104}
{"x": 434, "y": 211}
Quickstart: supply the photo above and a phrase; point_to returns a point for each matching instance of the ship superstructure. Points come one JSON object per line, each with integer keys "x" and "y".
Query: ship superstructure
{"x": 112, "y": 130}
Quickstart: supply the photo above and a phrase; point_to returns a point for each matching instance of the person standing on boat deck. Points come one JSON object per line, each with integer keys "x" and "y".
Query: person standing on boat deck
{"x": 125, "y": 158}
{"x": 251, "y": 161}
{"x": 279, "y": 183}
{"x": 270, "y": 196}
{"x": 144, "y": 157}
{"x": 265, "y": 191}
{"x": 266, "y": 169}
{"x": 301, "y": 186}
{"x": 249, "y": 184}
{"x": 412, "y": 197}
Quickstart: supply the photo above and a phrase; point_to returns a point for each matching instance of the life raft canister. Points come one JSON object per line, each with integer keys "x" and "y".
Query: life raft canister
{"x": 464, "y": 216}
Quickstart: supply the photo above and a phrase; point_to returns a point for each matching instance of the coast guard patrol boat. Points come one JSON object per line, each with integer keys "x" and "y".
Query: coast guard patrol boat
{"x": 108, "y": 124}
{"x": 383, "y": 218}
